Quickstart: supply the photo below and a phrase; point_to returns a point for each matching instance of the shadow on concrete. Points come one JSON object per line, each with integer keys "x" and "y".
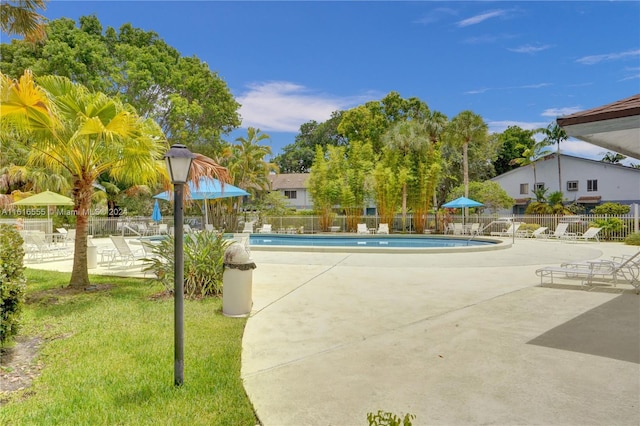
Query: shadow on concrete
{"x": 611, "y": 330}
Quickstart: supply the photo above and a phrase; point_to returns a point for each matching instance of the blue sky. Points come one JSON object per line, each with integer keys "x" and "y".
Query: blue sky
{"x": 513, "y": 63}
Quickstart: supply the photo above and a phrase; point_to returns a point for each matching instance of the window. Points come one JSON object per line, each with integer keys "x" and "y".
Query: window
{"x": 291, "y": 194}
{"x": 539, "y": 185}
{"x": 592, "y": 185}
{"x": 524, "y": 188}
{"x": 572, "y": 185}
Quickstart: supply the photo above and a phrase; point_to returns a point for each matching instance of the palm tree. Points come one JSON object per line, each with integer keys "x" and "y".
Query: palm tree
{"x": 82, "y": 135}
{"x": 613, "y": 158}
{"x": 555, "y": 134}
{"x": 20, "y": 17}
{"x": 530, "y": 156}
{"x": 466, "y": 128}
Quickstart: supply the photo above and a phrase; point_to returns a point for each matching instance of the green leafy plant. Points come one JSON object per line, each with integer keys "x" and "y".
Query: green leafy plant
{"x": 611, "y": 208}
{"x": 609, "y": 226}
{"x": 633, "y": 239}
{"x": 12, "y": 282}
{"x": 203, "y": 263}
{"x": 383, "y": 418}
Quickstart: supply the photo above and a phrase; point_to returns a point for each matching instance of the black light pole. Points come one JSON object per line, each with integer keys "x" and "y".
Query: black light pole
{"x": 178, "y": 160}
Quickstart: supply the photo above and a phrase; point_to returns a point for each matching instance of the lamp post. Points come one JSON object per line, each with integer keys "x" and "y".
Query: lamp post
{"x": 178, "y": 160}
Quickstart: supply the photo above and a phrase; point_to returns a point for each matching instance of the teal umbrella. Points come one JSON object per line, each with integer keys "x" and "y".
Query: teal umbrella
{"x": 462, "y": 203}
{"x": 156, "y": 216}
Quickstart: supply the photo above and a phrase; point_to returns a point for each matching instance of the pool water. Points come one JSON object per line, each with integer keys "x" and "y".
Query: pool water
{"x": 369, "y": 241}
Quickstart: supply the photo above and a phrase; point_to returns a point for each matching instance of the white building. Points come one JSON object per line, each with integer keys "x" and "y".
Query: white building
{"x": 586, "y": 182}
{"x": 294, "y": 187}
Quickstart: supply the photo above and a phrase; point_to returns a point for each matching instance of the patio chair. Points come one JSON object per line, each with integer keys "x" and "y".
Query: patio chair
{"x": 248, "y": 227}
{"x": 539, "y": 233}
{"x": 458, "y": 229}
{"x": 37, "y": 248}
{"x": 265, "y": 229}
{"x": 123, "y": 252}
{"x": 362, "y": 228}
{"x": 591, "y": 233}
{"x": 627, "y": 268}
{"x": 561, "y": 229}
{"x": 475, "y": 229}
{"x": 383, "y": 228}
{"x": 513, "y": 228}
{"x": 163, "y": 228}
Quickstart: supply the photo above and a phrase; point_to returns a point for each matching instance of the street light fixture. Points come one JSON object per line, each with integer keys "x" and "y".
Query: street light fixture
{"x": 178, "y": 160}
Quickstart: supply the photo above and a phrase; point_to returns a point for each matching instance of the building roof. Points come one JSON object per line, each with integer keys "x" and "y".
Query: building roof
{"x": 289, "y": 181}
{"x": 615, "y": 126}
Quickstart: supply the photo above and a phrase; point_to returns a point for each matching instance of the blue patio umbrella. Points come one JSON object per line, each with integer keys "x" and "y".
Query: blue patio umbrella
{"x": 156, "y": 216}
{"x": 462, "y": 203}
{"x": 208, "y": 189}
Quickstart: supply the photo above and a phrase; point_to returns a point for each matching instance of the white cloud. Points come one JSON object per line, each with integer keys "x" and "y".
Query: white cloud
{"x": 559, "y": 112}
{"x": 282, "y": 106}
{"x": 524, "y": 86}
{"x": 482, "y": 17}
{"x": 528, "y": 48}
{"x": 594, "y": 59}
{"x": 435, "y": 15}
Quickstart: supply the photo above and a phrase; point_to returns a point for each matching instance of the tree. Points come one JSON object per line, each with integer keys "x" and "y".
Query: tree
{"x": 530, "y": 156}
{"x": 191, "y": 103}
{"x": 613, "y": 158}
{"x": 326, "y": 183}
{"x": 83, "y": 135}
{"x": 20, "y": 17}
{"x": 555, "y": 134}
{"x": 357, "y": 187}
{"x": 488, "y": 192}
{"x": 514, "y": 141}
{"x": 298, "y": 157}
{"x": 465, "y": 129}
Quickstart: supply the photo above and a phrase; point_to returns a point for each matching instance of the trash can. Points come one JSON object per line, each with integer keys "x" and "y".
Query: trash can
{"x": 92, "y": 253}
{"x": 237, "y": 281}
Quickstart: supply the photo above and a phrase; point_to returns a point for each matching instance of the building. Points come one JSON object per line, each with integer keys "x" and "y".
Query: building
{"x": 294, "y": 187}
{"x": 586, "y": 182}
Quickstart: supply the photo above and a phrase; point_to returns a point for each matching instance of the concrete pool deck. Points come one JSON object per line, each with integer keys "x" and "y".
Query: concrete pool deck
{"x": 464, "y": 338}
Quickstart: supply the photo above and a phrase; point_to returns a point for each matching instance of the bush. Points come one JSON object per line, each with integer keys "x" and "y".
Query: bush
{"x": 384, "y": 418}
{"x": 633, "y": 239}
{"x": 203, "y": 263}
{"x": 609, "y": 226}
{"x": 611, "y": 208}
{"x": 12, "y": 282}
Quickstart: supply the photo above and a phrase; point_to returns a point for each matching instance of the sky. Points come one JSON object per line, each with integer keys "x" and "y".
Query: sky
{"x": 289, "y": 62}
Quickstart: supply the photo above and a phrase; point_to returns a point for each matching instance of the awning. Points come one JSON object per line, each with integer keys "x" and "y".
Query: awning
{"x": 521, "y": 201}
{"x": 589, "y": 200}
{"x": 615, "y": 126}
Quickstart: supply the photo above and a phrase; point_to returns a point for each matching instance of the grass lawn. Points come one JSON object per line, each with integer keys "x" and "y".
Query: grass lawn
{"x": 107, "y": 358}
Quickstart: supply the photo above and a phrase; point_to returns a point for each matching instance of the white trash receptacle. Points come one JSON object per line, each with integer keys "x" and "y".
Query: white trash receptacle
{"x": 237, "y": 282}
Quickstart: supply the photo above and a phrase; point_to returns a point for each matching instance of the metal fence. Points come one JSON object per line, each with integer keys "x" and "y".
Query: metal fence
{"x": 615, "y": 227}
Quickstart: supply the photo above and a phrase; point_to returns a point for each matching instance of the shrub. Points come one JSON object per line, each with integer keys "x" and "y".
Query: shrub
{"x": 528, "y": 227}
{"x": 633, "y": 239}
{"x": 611, "y": 208}
{"x": 203, "y": 263}
{"x": 382, "y": 418}
{"x": 609, "y": 226}
{"x": 12, "y": 282}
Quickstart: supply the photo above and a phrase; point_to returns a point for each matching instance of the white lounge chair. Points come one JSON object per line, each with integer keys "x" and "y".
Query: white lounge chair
{"x": 383, "y": 228}
{"x": 248, "y": 227}
{"x": 265, "y": 229}
{"x": 627, "y": 268}
{"x": 561, "y": 229}
{"x": 539, "y": 233}
{"x": 458, "y": 229}
{"x": 123, "y": 253}
{"x": 513, "y": 228}
{"x": 362, "y": 228}
{"x": 475, "y": 229}
{"x": 37, "y": 248}
{"x": 591, "y": 233}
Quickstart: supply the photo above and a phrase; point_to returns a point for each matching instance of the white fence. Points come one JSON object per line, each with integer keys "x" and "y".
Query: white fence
{"x": 617, "y": 227}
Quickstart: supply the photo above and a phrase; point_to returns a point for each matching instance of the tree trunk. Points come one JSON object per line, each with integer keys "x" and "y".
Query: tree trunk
{"x": 82, "y": 198}
{"x": 404, "y": 207}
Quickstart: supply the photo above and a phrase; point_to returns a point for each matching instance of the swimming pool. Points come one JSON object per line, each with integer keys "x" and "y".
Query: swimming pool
{"x": 372, "y": 243}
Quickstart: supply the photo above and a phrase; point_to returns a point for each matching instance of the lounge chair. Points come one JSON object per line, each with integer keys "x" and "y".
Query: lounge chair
{"x": 362, "y": 228}
{"x": 627, "y": 268}
{"x": 539, "y": 233}
{"x": 163, "y": 228}
{"x": 123, "y": 253}
{"x": 37, "y": 248}
{"x": 475, "y": 229}
{"x": 513, "y": 228}
{"x": 265, "y": 229}
{"x": 561, "y": 229}
{"x": 458, "y": 229}
{"x": 248, "y": 227}
{"x": 591, "y": 233}
{"x": 383, "y": 228}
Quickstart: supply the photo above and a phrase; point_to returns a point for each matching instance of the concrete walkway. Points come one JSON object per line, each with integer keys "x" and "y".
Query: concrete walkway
{"x": 468, "y": 338}
{"x": 453, "y": 338}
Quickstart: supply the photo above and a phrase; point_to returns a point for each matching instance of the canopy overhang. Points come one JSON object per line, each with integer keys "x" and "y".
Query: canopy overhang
{"x": 615, "y": 126}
